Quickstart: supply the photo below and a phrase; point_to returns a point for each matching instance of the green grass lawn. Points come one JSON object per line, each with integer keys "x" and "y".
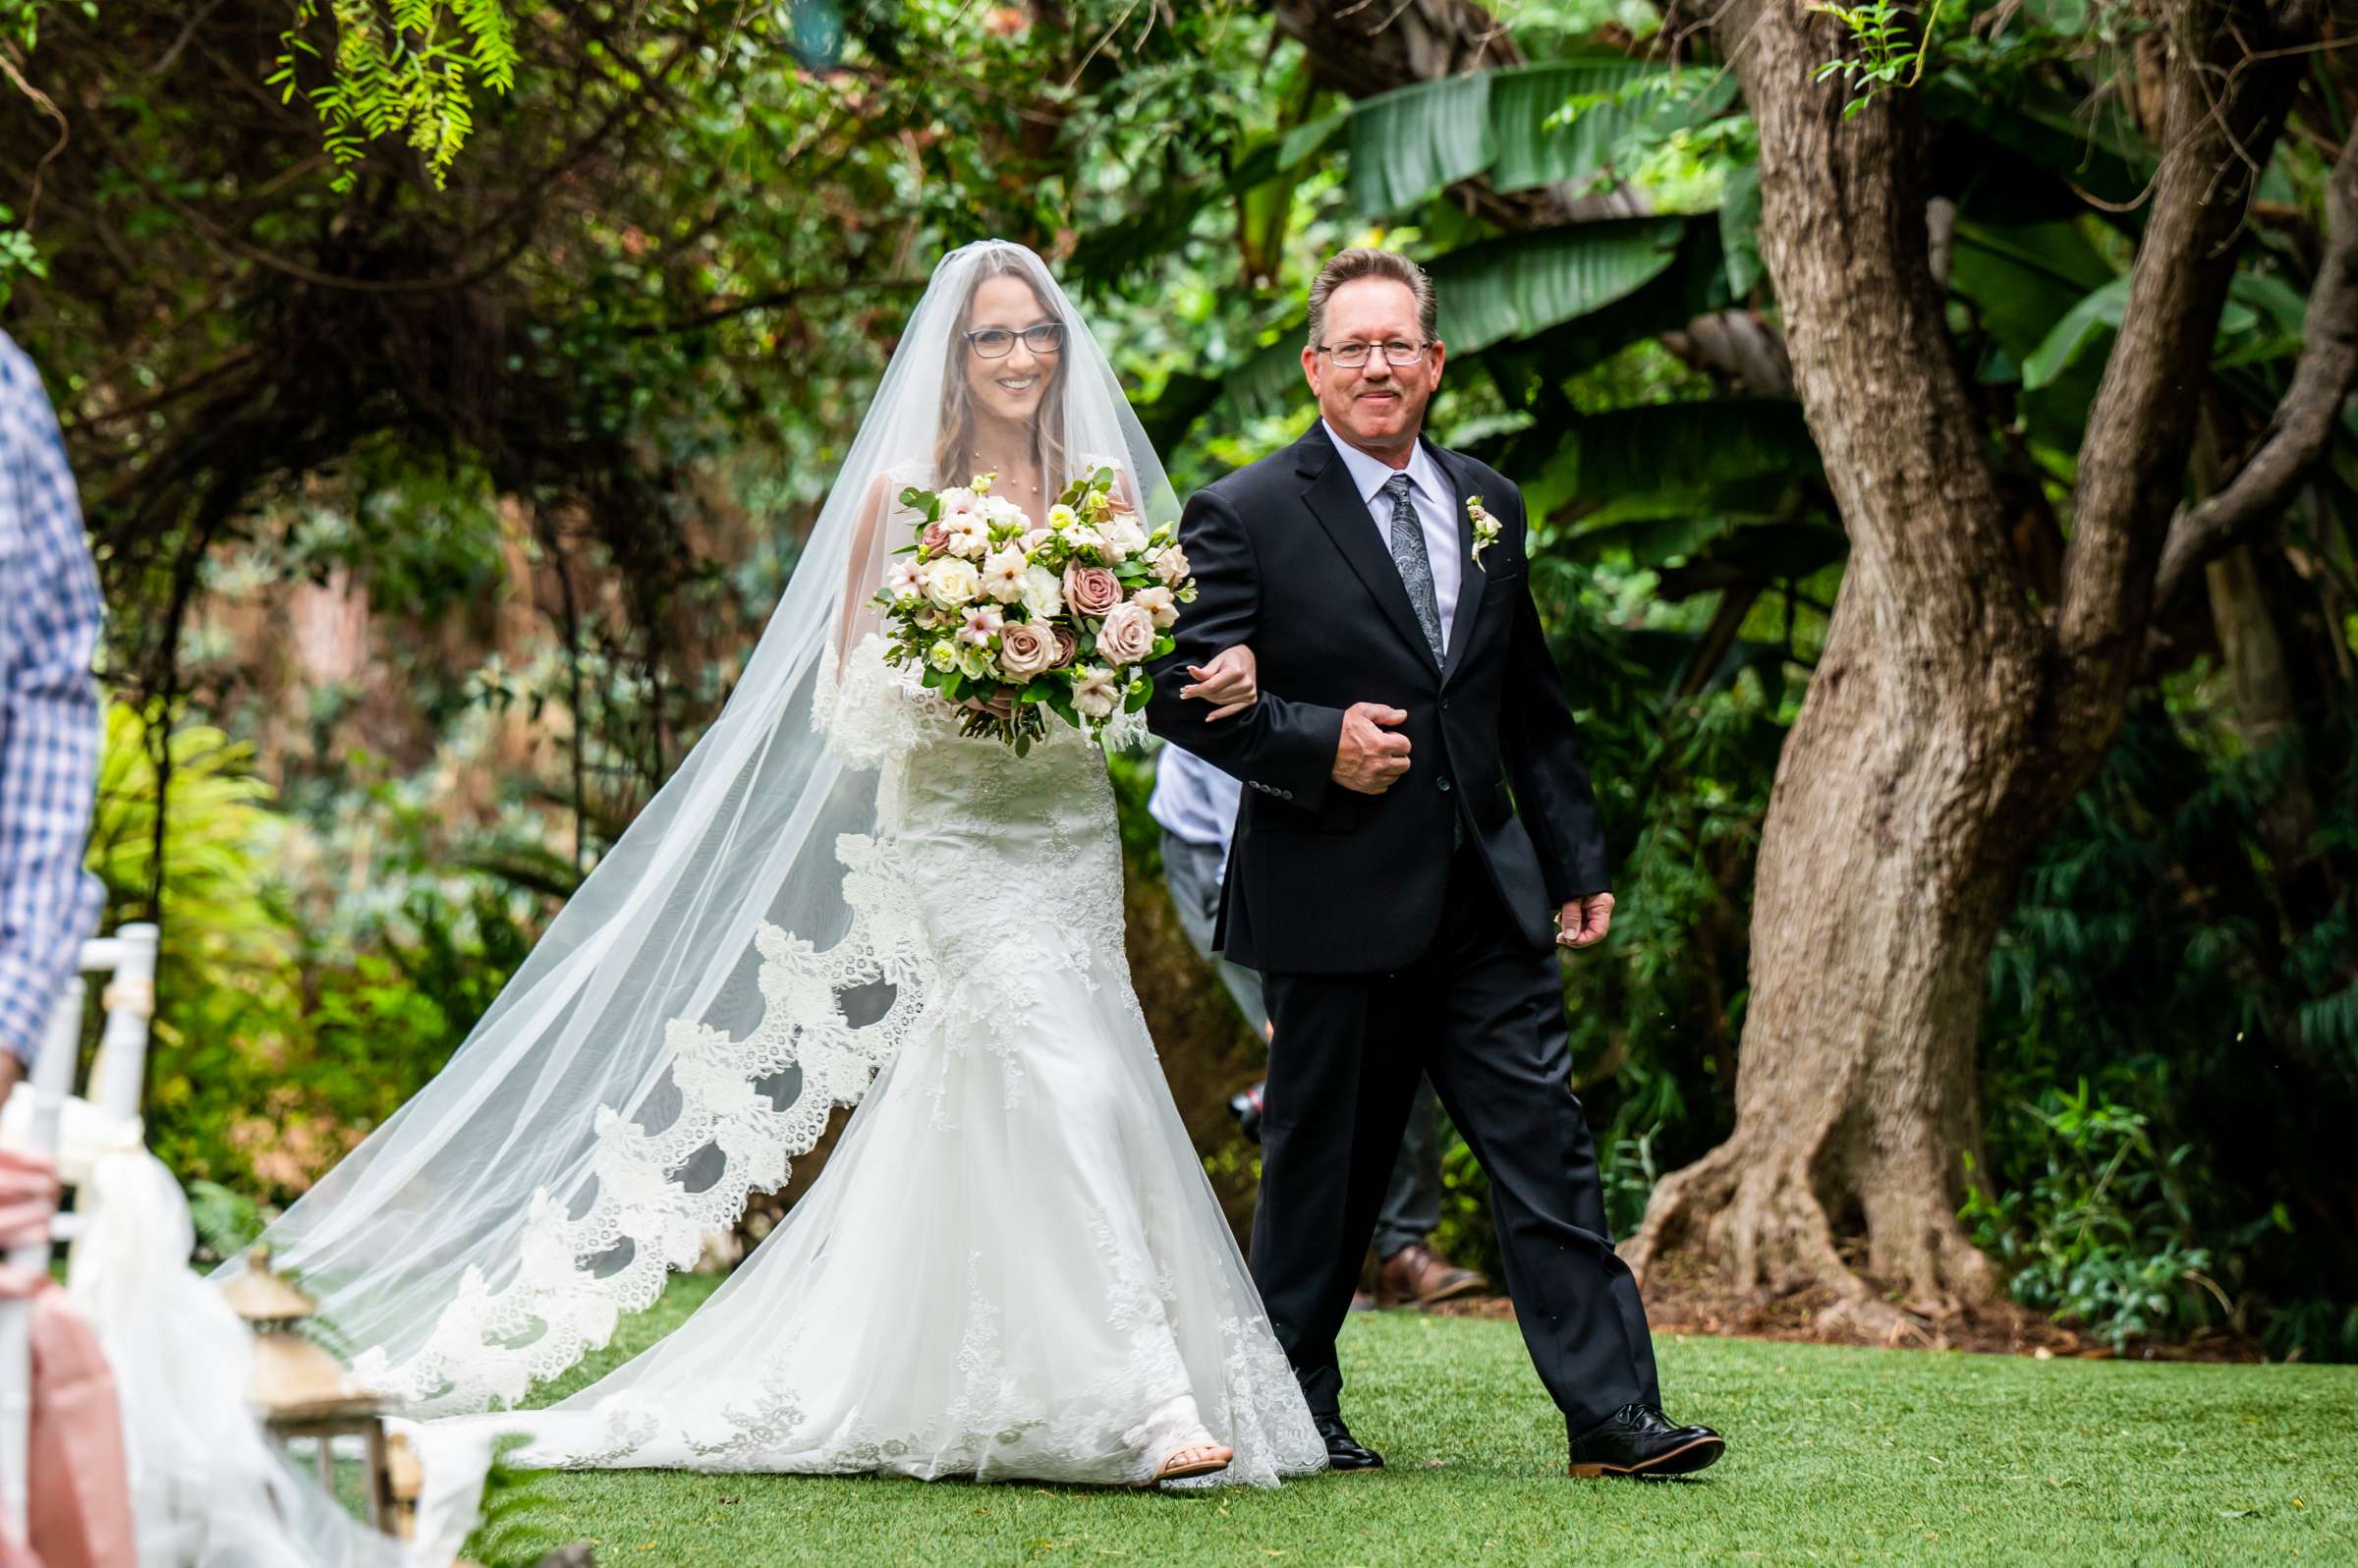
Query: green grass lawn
{"x": 1835, "y": 1456}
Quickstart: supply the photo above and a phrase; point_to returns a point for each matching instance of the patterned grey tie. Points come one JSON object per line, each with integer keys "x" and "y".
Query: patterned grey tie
{"x": 1416, "y": 567}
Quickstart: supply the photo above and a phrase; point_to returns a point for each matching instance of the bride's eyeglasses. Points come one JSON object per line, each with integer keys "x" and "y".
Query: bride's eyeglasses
{"x": 997, "y": 342}
{"x": 1351, "y": 356}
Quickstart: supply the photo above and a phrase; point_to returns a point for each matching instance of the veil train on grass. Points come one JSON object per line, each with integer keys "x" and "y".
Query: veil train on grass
{"x": 700, "y": 1005}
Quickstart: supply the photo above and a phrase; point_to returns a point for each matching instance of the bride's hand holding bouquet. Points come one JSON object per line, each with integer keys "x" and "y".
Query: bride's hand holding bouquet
{"x": 1012, "y": 619}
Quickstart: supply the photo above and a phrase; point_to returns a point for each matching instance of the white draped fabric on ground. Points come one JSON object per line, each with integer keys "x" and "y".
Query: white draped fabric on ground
{"x": 1013, "y": 1264}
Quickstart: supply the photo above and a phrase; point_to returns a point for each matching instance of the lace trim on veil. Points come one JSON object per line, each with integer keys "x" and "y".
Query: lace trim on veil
{"x": 493, "y": 1343}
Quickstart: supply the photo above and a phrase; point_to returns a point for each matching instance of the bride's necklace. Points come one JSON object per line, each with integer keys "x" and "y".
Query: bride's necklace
{"x": 1029, "y": 494}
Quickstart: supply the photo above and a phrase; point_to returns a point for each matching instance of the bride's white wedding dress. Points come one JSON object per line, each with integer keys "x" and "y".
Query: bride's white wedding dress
{"x": 1013, "y": 1264}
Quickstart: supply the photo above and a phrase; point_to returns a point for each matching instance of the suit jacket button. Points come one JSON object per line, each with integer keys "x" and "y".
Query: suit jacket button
{"x": 1444, "y": 785}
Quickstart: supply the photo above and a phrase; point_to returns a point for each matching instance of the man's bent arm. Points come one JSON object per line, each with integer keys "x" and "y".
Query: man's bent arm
{"x": 1282, "y": 749}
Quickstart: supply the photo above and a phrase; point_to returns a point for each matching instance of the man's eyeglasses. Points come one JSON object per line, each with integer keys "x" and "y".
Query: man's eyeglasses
{"x": 997, "y": 342}
{"x": 1351, "y": 356}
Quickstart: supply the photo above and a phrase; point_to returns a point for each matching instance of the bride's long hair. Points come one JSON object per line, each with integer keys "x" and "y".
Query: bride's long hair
{"x": 703, "y": 1004}
{"x": 955, "y": 443}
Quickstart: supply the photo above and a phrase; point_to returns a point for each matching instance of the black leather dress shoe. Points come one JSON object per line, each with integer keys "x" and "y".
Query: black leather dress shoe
{"x": 1638, "y": 1440}
{"x": 1343, "y": 1451}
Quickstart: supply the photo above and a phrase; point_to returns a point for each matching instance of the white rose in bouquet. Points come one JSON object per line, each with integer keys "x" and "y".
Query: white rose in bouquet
{"x": 1003, "y": 572}
{"x": 1171, "y": 565}
{"x": 1044, "y": 593}
{"x": 1127, "y": 635}
{"x": 951, "y": 581}
{"x": 1096, "y": 691}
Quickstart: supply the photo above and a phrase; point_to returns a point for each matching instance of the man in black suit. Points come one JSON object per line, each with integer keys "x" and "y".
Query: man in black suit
{"x": 1417, "y": 839}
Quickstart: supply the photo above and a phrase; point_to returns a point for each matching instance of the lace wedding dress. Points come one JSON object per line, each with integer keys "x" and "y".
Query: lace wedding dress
{"x": 1013, "y": 1264}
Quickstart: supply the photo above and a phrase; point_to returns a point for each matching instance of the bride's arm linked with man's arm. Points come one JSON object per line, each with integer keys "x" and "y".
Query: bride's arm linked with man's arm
{"x": 1292, "y": 750}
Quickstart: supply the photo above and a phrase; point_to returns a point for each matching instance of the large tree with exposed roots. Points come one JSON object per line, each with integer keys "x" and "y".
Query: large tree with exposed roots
{"x": 1976, "y": 673}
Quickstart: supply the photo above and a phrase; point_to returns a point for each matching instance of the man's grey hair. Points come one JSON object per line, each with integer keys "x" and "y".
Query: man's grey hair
{"x": 1365, "y": 261}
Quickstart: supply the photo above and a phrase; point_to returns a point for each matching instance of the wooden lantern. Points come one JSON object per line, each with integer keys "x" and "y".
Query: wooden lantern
{"x": 303, "y": 1391}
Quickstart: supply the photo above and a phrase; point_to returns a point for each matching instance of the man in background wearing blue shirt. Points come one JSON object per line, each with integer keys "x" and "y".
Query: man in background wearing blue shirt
{"x": 1195, "y": 803}
{"x": 49, "y": 720}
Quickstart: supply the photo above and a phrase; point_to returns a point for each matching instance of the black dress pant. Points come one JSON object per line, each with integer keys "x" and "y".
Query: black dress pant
{"x": 1482, "y": 1015}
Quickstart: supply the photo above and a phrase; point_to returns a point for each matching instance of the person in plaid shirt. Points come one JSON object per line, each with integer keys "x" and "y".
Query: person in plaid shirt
{"x": 49, "y": 722}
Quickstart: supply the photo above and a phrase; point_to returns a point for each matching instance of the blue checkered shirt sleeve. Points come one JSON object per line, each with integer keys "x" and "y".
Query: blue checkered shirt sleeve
{"x": 49, "y": 719}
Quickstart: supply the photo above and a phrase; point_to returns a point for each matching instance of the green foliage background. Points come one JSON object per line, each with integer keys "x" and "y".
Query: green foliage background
{"x": 449, "y": 407}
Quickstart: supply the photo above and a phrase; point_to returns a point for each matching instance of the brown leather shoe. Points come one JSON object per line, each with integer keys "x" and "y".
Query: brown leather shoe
{"x": 1418, "y": 1276}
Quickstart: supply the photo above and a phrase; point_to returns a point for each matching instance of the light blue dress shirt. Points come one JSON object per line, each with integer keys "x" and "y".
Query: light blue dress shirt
{"x": 1192, "y": 800}
{"x": 1435, "y": 501}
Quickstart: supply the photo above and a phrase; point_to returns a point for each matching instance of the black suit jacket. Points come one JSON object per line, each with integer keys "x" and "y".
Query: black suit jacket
{"x": 1324, "y": 881}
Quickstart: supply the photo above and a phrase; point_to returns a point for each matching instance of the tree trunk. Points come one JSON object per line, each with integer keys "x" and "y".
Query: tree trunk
{"x": 1886, "y": 865}
{"x": 1944, "y": 728}
{"x": 1894, "y": 838}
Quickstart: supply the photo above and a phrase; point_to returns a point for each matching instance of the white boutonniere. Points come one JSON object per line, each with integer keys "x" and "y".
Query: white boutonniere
{"x": 1485, "y": 528}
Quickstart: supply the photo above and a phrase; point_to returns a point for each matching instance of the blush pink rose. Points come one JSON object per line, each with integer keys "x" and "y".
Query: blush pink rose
{"x": 1128, "y": 634}
{"x": 935, "y": 541}
{"x": 1067, "y": 645}
{"x": 1025, "y": 650}
{"x": 1091, "y": 589}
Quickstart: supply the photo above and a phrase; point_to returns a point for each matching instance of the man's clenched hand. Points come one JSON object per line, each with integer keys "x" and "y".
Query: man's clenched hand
{"x": 1583, "y": 921}
{"x": 1369, "y": 758}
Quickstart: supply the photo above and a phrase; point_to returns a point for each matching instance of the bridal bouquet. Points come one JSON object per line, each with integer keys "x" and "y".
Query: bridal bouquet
{"x": 1018, "y": 618}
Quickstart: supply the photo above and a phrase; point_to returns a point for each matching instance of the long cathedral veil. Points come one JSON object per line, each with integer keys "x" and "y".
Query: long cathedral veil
{"x": 705, "y": 999}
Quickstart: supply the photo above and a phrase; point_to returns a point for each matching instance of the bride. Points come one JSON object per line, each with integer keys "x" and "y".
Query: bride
{"x": 1012, "y": 1264}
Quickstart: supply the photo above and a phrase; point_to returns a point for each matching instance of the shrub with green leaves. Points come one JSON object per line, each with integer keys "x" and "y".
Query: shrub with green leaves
{"x": 277, "y": 1045}
{"x": 2102, "y": 1235}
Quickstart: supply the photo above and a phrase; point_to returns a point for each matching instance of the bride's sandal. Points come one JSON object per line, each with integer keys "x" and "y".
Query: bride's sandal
{"x": 1204, "y": 1458}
